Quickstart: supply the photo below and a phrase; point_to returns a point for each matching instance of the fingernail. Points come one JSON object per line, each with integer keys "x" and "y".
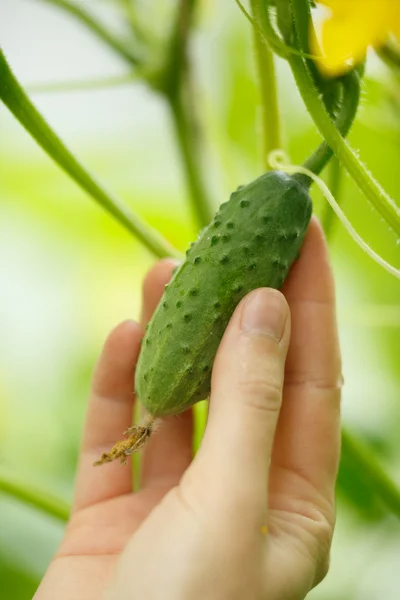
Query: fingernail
{"x": 265, "y": 313}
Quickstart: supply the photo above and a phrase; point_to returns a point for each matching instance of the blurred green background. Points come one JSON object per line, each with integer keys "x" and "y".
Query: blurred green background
{"x": 69, "y": 273}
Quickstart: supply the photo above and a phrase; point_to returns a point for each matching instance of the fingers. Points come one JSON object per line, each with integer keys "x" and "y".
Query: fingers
{"x": 109, "y": 415}
{"x": 306, "y": 451}
{"x": 246, "y": 396}
{"x": 169, "y": 452}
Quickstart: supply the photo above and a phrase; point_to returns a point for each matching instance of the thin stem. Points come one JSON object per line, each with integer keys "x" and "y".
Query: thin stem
{"x": 15, "y": 98}
{"x": 268, "y": 88}
{"x": 177, "y": 66}
{"x": 83, "y": 85}
{"x": 40, "y": 499}
{"x": 179, "y": 93}
{"x": 186, "y": 137}
{"x": 381, "y": 482}
{"x": 97, "y": 28}
{"x": 335, "y": 180}
{"x": 366, "y": 182}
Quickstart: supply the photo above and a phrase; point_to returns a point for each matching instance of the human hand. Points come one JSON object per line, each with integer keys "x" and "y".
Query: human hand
{"x": 252, "y": 515}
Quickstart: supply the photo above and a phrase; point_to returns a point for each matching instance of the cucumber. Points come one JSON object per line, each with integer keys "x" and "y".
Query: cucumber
{"x": 251, "y": 242}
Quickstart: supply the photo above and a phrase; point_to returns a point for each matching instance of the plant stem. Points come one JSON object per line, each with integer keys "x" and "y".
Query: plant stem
{"x": 369, "y": 186}
{"x": 179, "y": 93}
{"x": 40, "y": 499}
{"x": 268, "y": 88}
{"x": 387, "y": 489}
{"x": 187, "y": 142}
{"x": 17, "y": 101}
{"x": 98, "y": 28}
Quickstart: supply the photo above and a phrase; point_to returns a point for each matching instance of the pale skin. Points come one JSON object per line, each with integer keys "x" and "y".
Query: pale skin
{"x": 252, "y": 515}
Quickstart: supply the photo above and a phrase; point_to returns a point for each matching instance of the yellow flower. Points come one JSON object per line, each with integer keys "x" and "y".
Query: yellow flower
{"x": 352, "y": 26}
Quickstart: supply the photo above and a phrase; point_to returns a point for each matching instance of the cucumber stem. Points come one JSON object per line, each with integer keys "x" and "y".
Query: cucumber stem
{"x": 40, "y": 499}
{"x": 137, "y": 437}
{"x": 15, "y": 98}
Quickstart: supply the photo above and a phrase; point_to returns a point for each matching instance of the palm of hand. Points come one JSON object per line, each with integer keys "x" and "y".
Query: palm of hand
{"x": 177, "y": 495}
{"x": 117, "y": 519}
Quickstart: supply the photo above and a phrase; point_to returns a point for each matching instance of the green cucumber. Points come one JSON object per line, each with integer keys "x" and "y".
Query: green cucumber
{"x": 251, "y": 242}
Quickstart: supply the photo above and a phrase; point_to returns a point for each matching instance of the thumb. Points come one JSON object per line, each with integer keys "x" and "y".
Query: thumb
{"x": 246, "y": 396}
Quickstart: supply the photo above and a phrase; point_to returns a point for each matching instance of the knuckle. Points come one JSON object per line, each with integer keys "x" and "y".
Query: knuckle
{"x": 261, "y": 394}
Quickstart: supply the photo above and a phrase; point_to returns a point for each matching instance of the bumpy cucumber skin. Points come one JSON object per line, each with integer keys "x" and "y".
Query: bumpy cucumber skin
{"x": 251, "y": 242}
